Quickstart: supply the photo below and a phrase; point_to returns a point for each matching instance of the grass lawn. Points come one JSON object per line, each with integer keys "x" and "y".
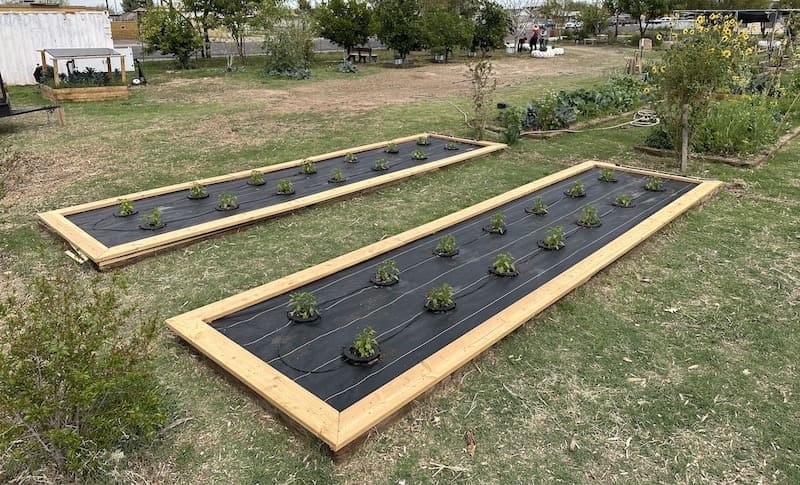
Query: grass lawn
{"x": 678, "y": 363}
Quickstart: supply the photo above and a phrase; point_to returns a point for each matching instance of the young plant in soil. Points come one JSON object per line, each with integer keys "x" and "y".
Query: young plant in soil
{"x": 152, "y": 220}
{"x": 497, "y": 225}
{"x": 351, "y": 158}
{"x": 285, "y": 187}
{"x": 623, "y": 201}
{"x": 198, "y": 191}
{"x": 308, "y": 167}
{"x": 589, "y": 217}
{"x": 386, "y": 273}
{"x": 606, "y": 175}
{"x": 423, "y": 140}
{"x": 125, "y": 208}
{"x": 392, "y": 148}
{"x": 576, "y": 190}
{"x": 336, "y": 176}
{"x": 227, "y": 201}
{"x": 440, "y": 299}
{"x": 256, "y": 178}
{"x": 504, "y": 265}
{"x": 654, "y": 184}
{"x": 365, "y": 348}
{"x": 451, "y": 146}
{"x": 538, "y": 208}
{"x": 302, "y": 307}
{"x": 380, "y": 165}
{"x": 419, "y": 155}
{"x": 446, "y": 247}
{"x": 554, "y": 240}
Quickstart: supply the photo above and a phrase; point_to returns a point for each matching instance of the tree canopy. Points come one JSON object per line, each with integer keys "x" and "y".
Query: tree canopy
{"x": 346, "y": 22}
{"x": 167, "y": 30}
{"x": 400, "y": 25}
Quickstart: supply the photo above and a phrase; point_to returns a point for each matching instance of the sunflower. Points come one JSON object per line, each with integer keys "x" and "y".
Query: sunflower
{"x": 658, "y": 37}
{"x": 726, "y": 53}
{"x": 646, "y": 90}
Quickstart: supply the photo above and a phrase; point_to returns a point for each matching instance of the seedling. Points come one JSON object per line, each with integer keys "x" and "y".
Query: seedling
{"x": 336, "y": 176}
{"x": 589, "y": 217}
{"x": 351, "y": 158}
{"x": 303, "y": 307}
{"x": 125, "y": 208}
{"x": 197, "y": 191}
{"x": 392, "y": 148}
{"x": 539, "y": 207}
{"x": 440, "y": 299}
{"x": 576, "y": 190}
{"x": 380, "y": 165}
{"x": 446, "y": 246}
{"x": 227, "y": 201}
{"x": 504, "y": 265}
{"x": 386, "y": 273}
{"x": 365, "y": 345}
{"x": 451, "y": 146}
{"x": 419, "y": 155}
{"x": 607, "y": 175}
{"x": 285, "y": 187}
{"x": 423, "y": 140}
{"x": 554, "y": 238}
{"x": 256, "y": 178}
{"x": 152, "y": 220}
{"x": 497, "y": 225}
{"x": 654, "y": 183}
{"x": 623, "y": 201}
{"x": 308, "y": 167}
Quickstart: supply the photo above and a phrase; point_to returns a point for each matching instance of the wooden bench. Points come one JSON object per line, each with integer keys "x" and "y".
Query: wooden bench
{"x": 600, "y": 39}
{"x": 362, "y": 54}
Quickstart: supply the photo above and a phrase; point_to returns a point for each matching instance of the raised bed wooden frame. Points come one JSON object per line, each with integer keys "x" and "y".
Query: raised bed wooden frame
{"x": 339, "y": 429}
{"x": 108, "y": 257}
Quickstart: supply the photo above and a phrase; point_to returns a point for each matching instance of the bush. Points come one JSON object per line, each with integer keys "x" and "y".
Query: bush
{"x": 289, "y": 52}
{"x": 168, "y": 31}
{"x": 346, "y": 67}
{"x": 76, "y": 384}
{"x": 737, "y": 125}
{"x": 660, "y": 137}
{"x": 512, "y": 118}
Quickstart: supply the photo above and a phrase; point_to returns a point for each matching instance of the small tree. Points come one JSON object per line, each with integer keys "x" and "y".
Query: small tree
{"x": 399, "y": 25}
{"x": 491, "y": 27}
{"x": 447, "y": 30}
{"x": 644, "y": 10}
{"x": 289, "y": 50}
{"x": 484, "y": 84}
{"x": 205, "y": 16}
{"x": 131, "y": 5}
{"x": 168, "y": 31}
{"x": 344, "y": 22}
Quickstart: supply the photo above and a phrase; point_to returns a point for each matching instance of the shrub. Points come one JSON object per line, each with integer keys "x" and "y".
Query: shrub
{"x": 289, "y": 52}
{"x": 512, "y": 118}
{"x": 76, "y": 380}
{"x": 739, "y": 125}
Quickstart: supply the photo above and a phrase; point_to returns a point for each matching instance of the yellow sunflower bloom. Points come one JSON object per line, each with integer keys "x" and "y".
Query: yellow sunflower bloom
{"x": 646, "y": 90}
{"x": 663, "y": 69}
{"x": 685, "y": 31}
{"x": 726, "y": 53}
{"x": 725, "y": 38}
{"x": 654, "y": 69}
{"x": 735, "y": 78}
{"x": 748, "y": 51}
{"x": 700, "y": 20}
{"x": 691, "y": 32}
{"x": 658, "y": 37}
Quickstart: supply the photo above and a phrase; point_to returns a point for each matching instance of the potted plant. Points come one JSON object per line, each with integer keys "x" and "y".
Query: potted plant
{"x": 256, "y": 179}
{"x": 302, "y": 307}
{"x": 351, "y": 158}
{"x": 576, "y": 190}
{"x": 446, "y": 246}
{"x": 451, "y": 145}
{"x": 504, "y": 265}
{"x": 654, "y": 184}
{"x": 497, "y": 224}
{"x": 152, "y": 220}
{"x": 227, "y": 202}
{"x": 423, "y": 140}
{"x": 336, "y": 176}
{"x": 380, "y": 165}
{"x": 308, "y": 167}
{"x": 285, "y": 187}
{"x": 197, "y": 191}
{"x": 538, "y": 208}
{"x": 589, "y": 217}
{"x": 386, "y": 273}
{"x": 392, "y": 148}
{"x": 554, "y": 240}
{"x": 419, "y": 155}
{"x": 125, "y": 208}
{"x": 623, "y": 200}
{"x": 606, "y": 175}
{"x": 364, "y": 350}
{"x": 440, "y": 299}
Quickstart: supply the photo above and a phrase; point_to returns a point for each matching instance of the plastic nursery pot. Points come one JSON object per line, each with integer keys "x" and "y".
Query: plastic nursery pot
{"x": 332, "y": 181}
{"x": 303, "y": 172}
{"x": 148, "y": 227}
{"x": 376, "y": 169}
{"x": 442, "y": 309}
{"x": 132, "y": 213}
{"x": 615, "y": 204}
{"x": 506, "y": 274}
{"x": 445, "y": 255}
{"x": 352, "y": 357}
{"x": 662, "y": 189}
{"x": 497, "y": 230}
{"x": 258, "y": 184}
{"x": 392, "y": 150}
{"x": 297, "y": 319}
{"x": 226, "y": 209}
{"x": 375, "y": 281}
{"x": 590, "y": 226}
{"x": 529, "y": 210}
{"x": 197, "y": 197}
{"x": 547, "y": 247}
{"x": 612, "y": 180}
{"x": 285, "y": 193}
{"x": 582, "y": 194}
{"x": 451, "y": 147}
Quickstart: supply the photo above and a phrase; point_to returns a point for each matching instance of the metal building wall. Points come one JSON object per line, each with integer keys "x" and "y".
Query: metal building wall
{"x": 23, "y": 33}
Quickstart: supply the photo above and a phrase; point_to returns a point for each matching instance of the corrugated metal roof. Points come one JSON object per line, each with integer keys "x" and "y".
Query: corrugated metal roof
{"x": 85, "y": 53}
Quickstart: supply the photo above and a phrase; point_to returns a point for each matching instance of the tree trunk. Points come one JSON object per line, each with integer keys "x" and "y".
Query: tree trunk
{"x": 616, "y": 27}
{"x": 684, "y": 137}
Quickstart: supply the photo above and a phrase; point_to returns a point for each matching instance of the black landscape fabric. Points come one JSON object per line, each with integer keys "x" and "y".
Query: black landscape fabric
{"x": 310, "y": 353}
{"x": 179, "y": 212}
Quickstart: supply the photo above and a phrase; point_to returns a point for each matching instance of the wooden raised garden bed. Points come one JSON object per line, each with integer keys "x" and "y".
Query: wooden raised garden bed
{"x": 300, "y": 367}
{"x": 95, "y": 230}
{"x": 96, "y": 93}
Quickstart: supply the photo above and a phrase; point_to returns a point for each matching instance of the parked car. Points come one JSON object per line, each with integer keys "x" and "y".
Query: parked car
{"x": 549, "y": 23}
{"x": 573, "y": 25}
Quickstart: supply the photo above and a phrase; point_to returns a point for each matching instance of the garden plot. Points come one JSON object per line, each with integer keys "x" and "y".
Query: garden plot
{"x": 344, "y": 345}
{"x": 116, "y": 231}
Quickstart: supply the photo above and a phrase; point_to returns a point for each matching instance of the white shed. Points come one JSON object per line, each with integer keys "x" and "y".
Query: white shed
{"x": 26, "y": 30}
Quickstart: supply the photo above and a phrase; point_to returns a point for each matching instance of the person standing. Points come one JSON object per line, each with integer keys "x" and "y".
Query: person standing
{"x": 543, "y": 37}
{"x": 534, "y": 37}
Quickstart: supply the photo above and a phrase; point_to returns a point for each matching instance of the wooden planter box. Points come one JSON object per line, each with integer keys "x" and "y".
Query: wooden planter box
{"x": 99, "y": 93}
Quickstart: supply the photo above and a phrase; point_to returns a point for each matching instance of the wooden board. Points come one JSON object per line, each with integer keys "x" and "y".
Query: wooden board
{"x": 108, "y": 257}
{"x": 338, "y": 429}
{"x": 97, "y": 93}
